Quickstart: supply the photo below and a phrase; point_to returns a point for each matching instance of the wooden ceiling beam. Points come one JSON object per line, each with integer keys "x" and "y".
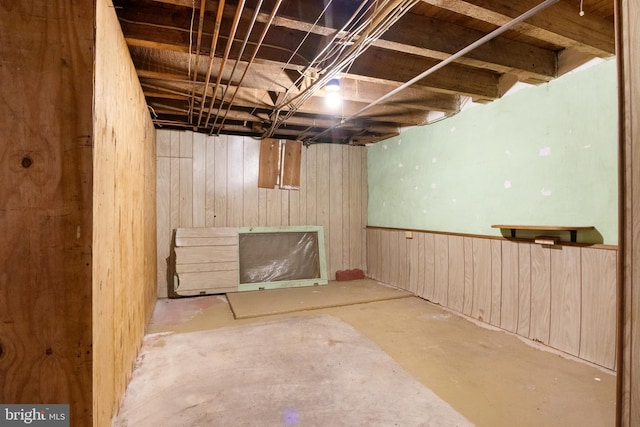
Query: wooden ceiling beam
{"x": 559, "y": 24}
{"x": 414, "y": 34}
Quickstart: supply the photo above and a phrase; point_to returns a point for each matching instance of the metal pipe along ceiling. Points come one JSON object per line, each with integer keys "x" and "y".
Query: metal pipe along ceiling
{"x": 214, "y": 42}
{"x": 343, "y": 50}
{"x": 256, "y": 12}
{"x": 495, "y": 33}
{"x": 251, "y": 60}
{"x": 195, "y": 68}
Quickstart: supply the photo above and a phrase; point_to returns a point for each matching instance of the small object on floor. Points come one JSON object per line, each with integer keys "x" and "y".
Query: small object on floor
{"x": 355, "y": 274}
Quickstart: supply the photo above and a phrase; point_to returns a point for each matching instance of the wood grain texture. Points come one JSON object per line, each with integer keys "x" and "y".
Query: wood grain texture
{"x": 46, "y": 208}
{"x": 124, "y": 230}
{"x": 565, "y": 300}
{"x": 598, "y": 315}
{"x": 540, "y": 293}
{"x": 441, "y": 283}
{"x": 199, "y": 180}
{"x": 228, "y": 167}
{"x": 468, "y": 276}
{"x": 290, "y": 172}
{"x": 508, "y": 284}
{"x": 269, "y": 163}
{"x": 481, "y": 280}
{"x": 628, "y": 28}
{"x": 524, "y": 289}
{"x": 413, "y": 264}
{"x": 429, "y": 262}
{"x": 510, "y": 298}
{"x": 496, "y": 282}
{"x": 456, "y": 265}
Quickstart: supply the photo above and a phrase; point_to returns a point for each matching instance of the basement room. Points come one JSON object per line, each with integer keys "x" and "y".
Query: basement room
{"x": 333, "y": 213}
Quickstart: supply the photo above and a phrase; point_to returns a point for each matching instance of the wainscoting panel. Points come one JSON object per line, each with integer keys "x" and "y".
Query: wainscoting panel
{"x": 563, "y": 296}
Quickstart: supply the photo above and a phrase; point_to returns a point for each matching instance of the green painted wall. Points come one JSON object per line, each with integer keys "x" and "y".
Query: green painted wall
{"x": 545, "y": 155}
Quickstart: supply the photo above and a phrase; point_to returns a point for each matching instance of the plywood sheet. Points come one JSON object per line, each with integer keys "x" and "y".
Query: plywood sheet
{"x": 290, "y": 178}
{"x": 287, "y": 300}
{"x": 269, "y": 163}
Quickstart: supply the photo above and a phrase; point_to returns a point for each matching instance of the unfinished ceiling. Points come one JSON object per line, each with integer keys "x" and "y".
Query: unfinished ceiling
{"x": 261, "y": 68}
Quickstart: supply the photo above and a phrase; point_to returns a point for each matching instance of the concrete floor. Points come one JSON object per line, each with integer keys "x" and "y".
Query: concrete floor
{"x": 491, "y": 377}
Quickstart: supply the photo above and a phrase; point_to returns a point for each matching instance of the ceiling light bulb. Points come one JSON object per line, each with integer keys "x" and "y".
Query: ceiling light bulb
{"x": 333, "y": 85}
{"x": 333, "y": 99}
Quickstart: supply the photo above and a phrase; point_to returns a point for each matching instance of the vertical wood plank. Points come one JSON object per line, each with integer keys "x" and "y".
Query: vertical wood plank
{"x": 199, "y": 179}
{"x": 336, "y": 209}
{"x": 455, "y": 288}
{"x": 524, "y": 289}
{"x": 441, "y": 249}
{"x": 429, "y": 274}
{"x": 628, "y": 55}
{"x": 312, "y": 185}
{"x": 467, "y": 307}
{"x": 269, "y": 163}
{"x": 163, "y": 212}
{"x": 274, "y": 208}
{"x": 323, "y": 206}
{"x": 235, "y": 180}
{"x": 403, "y": 261}
{"x": 481, "y": 279}
{"x": 510, "y": 298}
{"x": 565, "y": 299}
{"x": 385, "y": 256}
{"x": 175, "y": 193}
{"x": 394, "y": 257}
{"x": 174, "y": 141}
{"x": 496, "y": 282}
{"x": 540, "y": 293}
{"x": 347, "y": 211}
{"x": 364, "y": 200}
{"x": 302, "y": 198}
{"x": 354, "y": 203}
{"x": 290, "y": 173}
{"x": 373, "y": 247}
{"x": 186, "y": 192}
{"x": 413, "y": 263}
{"x": 250, "y": 182}
{"x": 186, "y": 144}
{"x": 598, "y": 323}
{"x": 163, "y": 142}
{"x": 210, "y": 190}
{"x": 285, "y": 205}
{"x": 220, "y": 181}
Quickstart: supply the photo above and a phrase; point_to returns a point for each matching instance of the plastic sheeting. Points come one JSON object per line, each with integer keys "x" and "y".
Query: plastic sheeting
{"x": 278, "y": 256}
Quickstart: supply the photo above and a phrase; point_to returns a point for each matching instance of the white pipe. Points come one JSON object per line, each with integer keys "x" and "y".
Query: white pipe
{"x": 495, "y": 33}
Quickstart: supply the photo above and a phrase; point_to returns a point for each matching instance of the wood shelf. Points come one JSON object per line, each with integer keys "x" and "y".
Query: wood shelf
{"x": 573, "y": 230}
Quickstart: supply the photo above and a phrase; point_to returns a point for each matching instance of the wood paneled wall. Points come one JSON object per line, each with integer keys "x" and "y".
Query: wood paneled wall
{"x": 124, "y": 226}
{"x": 628, "y": 50}
{"x": 212, "y": 181}
{"x": 45, "y": 204}
{"x": 561, "y": 296}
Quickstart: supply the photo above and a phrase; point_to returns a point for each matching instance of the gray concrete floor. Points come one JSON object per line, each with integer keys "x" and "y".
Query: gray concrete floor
{"x": 491, "y": 377}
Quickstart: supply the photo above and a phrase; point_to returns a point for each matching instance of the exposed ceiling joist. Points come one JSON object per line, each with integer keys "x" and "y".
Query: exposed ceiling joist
{"x": 170, "y": 43}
